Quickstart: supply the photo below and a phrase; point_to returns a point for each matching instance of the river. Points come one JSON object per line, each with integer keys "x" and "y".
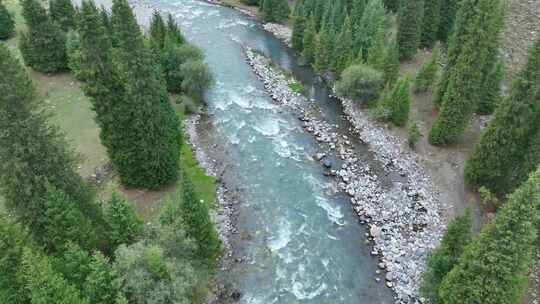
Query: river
{"x": 304, "y": 242}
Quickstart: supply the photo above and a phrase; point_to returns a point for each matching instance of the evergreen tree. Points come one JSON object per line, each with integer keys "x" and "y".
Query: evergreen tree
{"x": 173, "y": 31}
{"x": 392, "y": 5}
{"x": 34, "y": 155}
{"x": 318, "y": 13}
{"x": 43, "y": 45}
{"x": 494, "y": 268}
{"x": 299, "y": 27}
{"x": 339, "y": 12}
{"x": 530, "y": 160}
{"x": 323, "y": 45}
{"x": 445, "y": 257}
{"x": 343, "y": 52}
{"x": 64, "y": 222}
{"x": 174, "y": 57}
{"x": 476, "y": 36}
{"x": 373, "y": 20}
{"x": 13, "y": 240}
{"x": 507, "y": 137}
{"x": 376, "y": 52}
{"x": 275, "y": 10}
{"x": 73, "y": 263}
{"x": 357, "y": 11}
{"x": 491, "y": 94}
{"x": 73, "y": 50}
{"x": 390, "y": 65}
{"x": 44, "y": 285}
{"x": 428, "y": 73}
{"x": 101, "y": 285}
{"x": 430, "y": 23}
{"x": 198, "y": 223}
{"x": 158, "y": 32}
{"x": 63, "y": 13}
{"x": 409, "y": 28}
{"x": 310, "y": 36}
{"x": 448, "y": 13}
{"x": 124, "y": 225}
{"x": 106, "y": 19}
{"x": 7, "y": 26}
{"x": 396, "y": 102}
{"x": 147, "y": 122}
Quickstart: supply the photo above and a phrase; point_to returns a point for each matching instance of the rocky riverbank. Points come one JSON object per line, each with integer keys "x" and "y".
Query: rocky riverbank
{"x": 404, "y": 220}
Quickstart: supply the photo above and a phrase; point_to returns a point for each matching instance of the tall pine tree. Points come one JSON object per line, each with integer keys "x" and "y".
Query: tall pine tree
{"x": 448, "y": 13}
{"x": 373, "y": 20}
{"x": 63, "y": 13}
{"x": 146, "y": 120}
{"x": 494, "y": 268}
{"x": 7, "y": 26}
{"x": 430, "y": 23}
{"x": 409, "y": 28}
{"x": 476, "y": 36}
{"x": 299, "y": 27}
{"x": 310, "y": 36}
{"x": 343, "y": 52}
{"x": 507, "y": 138}
{"x": 34, "y": 155}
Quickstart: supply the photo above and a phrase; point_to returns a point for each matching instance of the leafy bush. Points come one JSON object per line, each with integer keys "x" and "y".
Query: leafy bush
{"x": 360, "y": 82}
{"x": 197, "y": 78}
{"x": 173, "y": 58}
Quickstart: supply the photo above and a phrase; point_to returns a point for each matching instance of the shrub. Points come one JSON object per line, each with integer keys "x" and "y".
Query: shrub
{"x": 197, "y": 78}
{"x": 397, "y": 101}
{"x": 124, "y": 225}
{"x": 361, "y": 83}
{"x": 427, "y": 75}
{"x": 413, "y": 133}
{"x": 173, "y": 58}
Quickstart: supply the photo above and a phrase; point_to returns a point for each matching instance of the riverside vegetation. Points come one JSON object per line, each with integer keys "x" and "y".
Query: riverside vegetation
{"x": 59, "y": 244}
{"x": 359, "y": 43}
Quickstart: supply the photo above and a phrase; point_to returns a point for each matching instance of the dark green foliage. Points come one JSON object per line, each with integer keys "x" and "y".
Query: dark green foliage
{"x": 7, "y": 26}
{"x": 73, "y": 49}
{"x": 357, "y": 11}
{"x": 63, "y": 13}
{"x": 373, "y": 20}
{"x": 44, "y": 285}
{"x": 146, "y": 120}
{"x": 392, "y": 5}
{"x": 198, "y": 223}
{"x": 343, "y": 52}
{"x": 310, "y": 36}
{"x": 250, "y": 2}
{"x": 158, "y": 32}
{"x": 275, "y": 10}
{"x": 43, "y": 45}
{"x": 409, "y": 28}
{"x": 430, "y": 23}
{"x": 299, "y": 27}
{"x": 101, "y": 285}
{"x": 448, "y": 13}
{"x": 413, "y": 133}
{"x": 323, "y": 45}
{"x": 427, "y": 75}
{"x": 173, "y": 31}
{"x": 390, "y": 66}
{"x": 360, "y": 82}
{"x": 73, "y": 263}
{"x": 475, "y": 37}
{"x": 510, "y": 134}
{"x": 34, "y": 155}
{"x": 376, "y": 52}
{"x": 63, "y": 222}
{"x": 396, "y": 102}
{"x": 491, "y": 95}
{"x": 445, "y": 257}
{"x": 13, "y": 240}
{"x": 124, "y": 225}
{"x": 494, "y": 268}
{"x": 173, "y": 58}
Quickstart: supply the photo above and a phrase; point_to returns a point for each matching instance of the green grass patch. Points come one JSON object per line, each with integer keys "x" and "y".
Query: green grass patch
{"x": 296, "y": 87}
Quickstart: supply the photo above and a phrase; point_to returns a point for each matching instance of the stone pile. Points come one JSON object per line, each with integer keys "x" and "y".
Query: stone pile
{"x": 404, "y": 219}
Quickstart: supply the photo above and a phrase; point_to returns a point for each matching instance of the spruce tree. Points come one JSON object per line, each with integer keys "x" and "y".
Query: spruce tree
{"x": 476, "y": 36}
{"x": 373, "y": 20}
{"x": 44, "y": 285}
{"x": 339, "y": 12}
{"x": 390, "y": 66}
{"x": 310, "y": 36}
{"x": 73, "y": 264}
{"x": 441, "y": 261}
{"x": 174, "y": 34}
{"x": 63, "y": 13}
{"x": 494, "y": 268}
{"x": 146, "y": 120}
{"x": 396, "y": 102}
{"x": 448, "y": 13}
{"x": 13, "y": 240}
{"x": 323, "y": 47}
{"x": 158, "y": 32}
{"x": 491, "y": 94}
{"x": 299, "y": 27}
{"x": 7, "y": 26}
{"x": 124, "y": 225}
{"x": 409, "y": 28}
{"x": 198, "y": 223}
{"x": 101, "y": 285}
{"x": 357, "y": 11}
{"x": 427, "y": 75}
{"x": 43, "y": 45}
{"x": 275, "y": 10}
{"x": 33, "y": 154}
{"x": 430, "y": 23}
{"x": 343, "y": 52}
{"x": 503, "y": 145}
